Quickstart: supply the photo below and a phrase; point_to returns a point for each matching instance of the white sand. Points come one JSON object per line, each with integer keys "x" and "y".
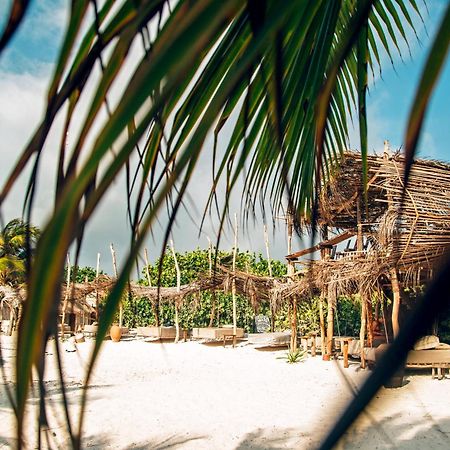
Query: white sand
{"x": 190, "y": 396}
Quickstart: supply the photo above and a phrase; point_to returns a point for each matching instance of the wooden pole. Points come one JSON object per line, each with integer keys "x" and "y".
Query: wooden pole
{"x": 155, "y": 304}
{"x": 177, "y": 268}
{"x": 396, "y": 301}
{"x": 359, "y": 235}
{"x": 364, "y": 302}
{"x": 393, "y": 271}
{"x": 362, "y": 331}
{"x": 66, "y": 297}
{"x": 113, "y": 256}
{"x": 322, "y": 325}
{"x": 233, "y": 287}
{"x": 290, "y": 271}
{"x": 266, "y": 241}
{"x": 327, "y": 339}
{"x": 213, "y": 293}
{"x": 272, "y": 310}
{"x": 97, "y": 274}
{"x": 330, "y": 317}
{"x": 369, "y": 322}
{"x": 294, "y": 324}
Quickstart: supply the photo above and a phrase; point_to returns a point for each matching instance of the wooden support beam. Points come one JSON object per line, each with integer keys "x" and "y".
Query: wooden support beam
{"x": 331, "y": 298}
{"x": 328, "y": 243}
{"x": 113, "y": 256}
{"x": 322, "y": 326}
{"x": 362, "y": 331}
{"x": 177, "y": 268}
{"x": 233, "y": 287}
{"x": 345, "y": 353}
{"x": 66, "y": 296}
{"x": 294, "y": 320}
{"x": 154, "y": 303}
{"x": 97, "y": 274}
{"x": 395, "y": 301}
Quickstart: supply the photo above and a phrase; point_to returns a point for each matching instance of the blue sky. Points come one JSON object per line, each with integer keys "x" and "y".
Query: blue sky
{"x": 37, "y": 42}
{"x": 26, "y": 66}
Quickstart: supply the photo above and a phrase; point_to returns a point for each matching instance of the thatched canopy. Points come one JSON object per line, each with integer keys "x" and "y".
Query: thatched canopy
{"x": 412, "y": 239}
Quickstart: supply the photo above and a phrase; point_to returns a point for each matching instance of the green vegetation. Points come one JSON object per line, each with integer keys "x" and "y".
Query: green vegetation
{"x": 286, "y": 77}
{"x": 294, "y": 356}
{"x": 80, "y": 274}
{"x": 205, "y": 308}
{"x": 17, "y": 244}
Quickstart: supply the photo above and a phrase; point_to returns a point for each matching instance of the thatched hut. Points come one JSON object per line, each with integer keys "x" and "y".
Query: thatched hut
{"x": 373, "y": 241}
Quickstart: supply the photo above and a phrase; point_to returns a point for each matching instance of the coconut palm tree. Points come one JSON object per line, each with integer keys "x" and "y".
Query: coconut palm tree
{"x": 274, "y": 83}
{"x": 17, "y": 243}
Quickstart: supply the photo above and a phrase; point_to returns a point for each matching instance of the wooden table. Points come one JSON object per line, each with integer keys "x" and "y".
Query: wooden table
{"x": 345, "y": 340}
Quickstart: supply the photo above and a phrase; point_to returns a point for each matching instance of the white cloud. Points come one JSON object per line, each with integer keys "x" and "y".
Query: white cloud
{"x": 22, "y": 100}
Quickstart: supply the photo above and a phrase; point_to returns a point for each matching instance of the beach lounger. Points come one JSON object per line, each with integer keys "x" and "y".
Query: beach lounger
{"x": 216, "y": 334}
{"x": 159, "y": 333}
{"x": 438, "y": 359}
{"x": 90, "y": 330}
{"x": 270, "y": 340}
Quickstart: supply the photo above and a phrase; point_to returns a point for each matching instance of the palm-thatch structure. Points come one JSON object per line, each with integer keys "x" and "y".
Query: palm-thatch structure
{"x": 390, "y": 244}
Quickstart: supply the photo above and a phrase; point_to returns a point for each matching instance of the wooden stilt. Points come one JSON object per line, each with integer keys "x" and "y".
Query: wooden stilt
{"x": 113, "y": 256}
{"x": 322, "y": 326}
{"x": 369, "y": 323}
{"x": 213, "y": 293}
{"x": 234, "y": 279}
{"x": 395, "y": 301}
{"x": 362, "y": 331}
{"x": 345, "y": 353}
{"x": 330, "y": 318}
{"x": 294, "y": 324}
{"x": 177, "y": 268}
{"x": 66, "y": 296}
{"x": 97, "y": 274}
{"x": 154, "y": 303}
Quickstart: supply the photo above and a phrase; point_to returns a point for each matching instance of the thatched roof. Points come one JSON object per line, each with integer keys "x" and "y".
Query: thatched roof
{"x": 412, "y": 239}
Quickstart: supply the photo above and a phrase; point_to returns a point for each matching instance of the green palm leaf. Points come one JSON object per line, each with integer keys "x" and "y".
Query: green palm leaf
{"x": 284, "y": 79}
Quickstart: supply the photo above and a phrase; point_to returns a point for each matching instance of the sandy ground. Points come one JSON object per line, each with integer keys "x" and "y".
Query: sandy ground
{"x": 192, "y": 396}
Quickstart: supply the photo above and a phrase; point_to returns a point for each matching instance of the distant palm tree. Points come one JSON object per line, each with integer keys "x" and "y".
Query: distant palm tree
{"x": 17, "y": 243}
{"x": 276, "y": 81}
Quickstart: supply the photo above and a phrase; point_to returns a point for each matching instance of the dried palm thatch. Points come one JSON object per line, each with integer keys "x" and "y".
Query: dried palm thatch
{"x": 412, "y": 239}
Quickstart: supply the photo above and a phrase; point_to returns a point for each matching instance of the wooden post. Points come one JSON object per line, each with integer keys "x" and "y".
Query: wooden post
{"x": 290, "y": 272}
{"x": 327, "y": 339}
{"x": 113, "y": 256}
{"x": 396, "y": 301}
{"x": 322, "y": 326}
{"x": 313, "y": 344}
{"x": 345, "y": 353}
{"x": 362, "y": 331}
{"x": 155, "y": 304}
{"x": 369, "y": 323}
{"x": 359, "y": 235}
{"x": 233, "y": 287}
{"x": 294, "y": 324}
{"x": 213, "y": 292}
{"x": 66, "y": 297}
{"x": 393, "y": 271}
{"x": 177, "y": 268}
{"x": 330, "y": 317}
{"x": 97, "y": 274}
{"x": 266, "y": 241}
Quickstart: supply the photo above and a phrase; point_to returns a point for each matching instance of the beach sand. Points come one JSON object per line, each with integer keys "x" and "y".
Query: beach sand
{"x": 192, "y": 396}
